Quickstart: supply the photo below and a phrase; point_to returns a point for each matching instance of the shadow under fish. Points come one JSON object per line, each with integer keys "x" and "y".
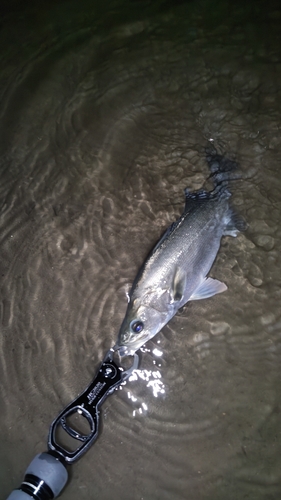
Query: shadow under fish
{"x": 175, "y": 272}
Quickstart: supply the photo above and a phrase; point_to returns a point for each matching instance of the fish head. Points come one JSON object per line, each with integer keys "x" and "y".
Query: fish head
{"x": 140, "y": 324}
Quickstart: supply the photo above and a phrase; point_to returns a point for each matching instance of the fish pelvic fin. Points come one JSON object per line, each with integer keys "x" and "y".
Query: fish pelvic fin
{"x": 208, "y": 288}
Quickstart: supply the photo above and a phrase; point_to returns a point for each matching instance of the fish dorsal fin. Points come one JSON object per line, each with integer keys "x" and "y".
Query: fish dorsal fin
{"x": 178, "y": 285}
{"x": 192, "y": 199}
{"x": 208, "y": 288}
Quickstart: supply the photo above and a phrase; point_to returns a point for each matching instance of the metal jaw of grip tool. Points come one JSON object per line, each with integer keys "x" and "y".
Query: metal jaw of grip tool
{"x": 108, "y": 378}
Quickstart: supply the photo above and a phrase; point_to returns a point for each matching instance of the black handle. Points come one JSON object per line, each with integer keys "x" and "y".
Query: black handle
{"x": 87, "y": 405}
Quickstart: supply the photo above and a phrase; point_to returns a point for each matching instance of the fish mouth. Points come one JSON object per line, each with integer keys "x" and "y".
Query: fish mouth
{"x": 129, "y": 348}
{"x": 124, "y": 351}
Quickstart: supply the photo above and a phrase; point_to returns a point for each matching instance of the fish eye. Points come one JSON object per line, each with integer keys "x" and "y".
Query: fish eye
{"x": 137, "y": 326}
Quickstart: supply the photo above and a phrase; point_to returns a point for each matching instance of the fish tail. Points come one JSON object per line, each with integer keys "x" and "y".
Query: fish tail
{"x": 222, "y": 169}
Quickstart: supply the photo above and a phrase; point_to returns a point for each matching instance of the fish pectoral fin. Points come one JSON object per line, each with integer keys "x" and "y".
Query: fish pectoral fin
{"x": 178, "y": 285}
{"x": 208, "y": 288}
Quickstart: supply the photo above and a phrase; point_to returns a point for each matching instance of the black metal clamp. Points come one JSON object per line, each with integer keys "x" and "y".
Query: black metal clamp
{"x": 108, "y": 378}
{"x": 47, "y": 475}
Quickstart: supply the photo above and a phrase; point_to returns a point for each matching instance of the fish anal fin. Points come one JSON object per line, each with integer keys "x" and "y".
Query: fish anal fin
{"x": 208, "y": 288}
{"x": 234, "y": 225}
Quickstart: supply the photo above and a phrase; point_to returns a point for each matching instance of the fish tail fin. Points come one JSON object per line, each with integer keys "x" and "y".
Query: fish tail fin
{"x": 222, "y": 169}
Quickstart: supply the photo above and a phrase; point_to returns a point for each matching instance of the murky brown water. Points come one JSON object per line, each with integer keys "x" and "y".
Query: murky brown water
{"x": 105, "y": 114}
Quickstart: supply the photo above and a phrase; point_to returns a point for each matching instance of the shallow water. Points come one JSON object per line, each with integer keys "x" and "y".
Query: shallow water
{"x": 105, "y": 114}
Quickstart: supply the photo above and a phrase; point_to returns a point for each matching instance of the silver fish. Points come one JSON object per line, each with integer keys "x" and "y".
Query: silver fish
{"x": 176, "y": 270}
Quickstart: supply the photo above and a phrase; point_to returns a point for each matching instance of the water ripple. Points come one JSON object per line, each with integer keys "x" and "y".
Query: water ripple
{"x": 104, "y": 119}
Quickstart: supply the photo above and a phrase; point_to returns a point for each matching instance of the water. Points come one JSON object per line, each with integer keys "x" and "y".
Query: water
{"x": 105, "y": 114}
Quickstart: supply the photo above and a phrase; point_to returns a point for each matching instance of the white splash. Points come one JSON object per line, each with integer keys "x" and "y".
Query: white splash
{"x": 152, "y": 379}
{"x": 154, "y": 382}
{"x": 157, "y": 352}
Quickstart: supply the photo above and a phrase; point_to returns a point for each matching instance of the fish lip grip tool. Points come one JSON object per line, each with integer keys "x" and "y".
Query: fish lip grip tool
{"x": 109, "y": 376}
{"x": 46, "y": 475}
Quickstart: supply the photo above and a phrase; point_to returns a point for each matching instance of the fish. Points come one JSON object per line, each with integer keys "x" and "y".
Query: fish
{"x": 176, "y": 270}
